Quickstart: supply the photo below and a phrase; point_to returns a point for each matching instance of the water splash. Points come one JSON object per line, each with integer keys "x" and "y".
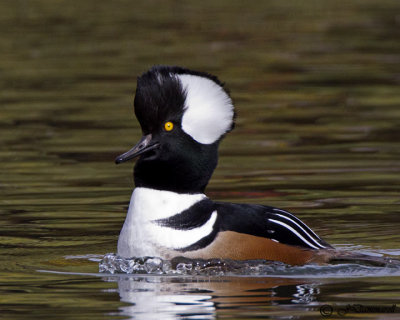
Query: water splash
{"x": 114, "y": 264}
{"x": 111, "y": 263}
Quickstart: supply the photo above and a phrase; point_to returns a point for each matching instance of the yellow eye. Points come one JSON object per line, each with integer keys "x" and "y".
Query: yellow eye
{"x": 168, "y": 126}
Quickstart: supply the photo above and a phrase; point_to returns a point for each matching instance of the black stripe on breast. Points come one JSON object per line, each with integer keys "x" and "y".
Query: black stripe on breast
{"x": 191, "y": 218}
{"x": 204, "y": 242}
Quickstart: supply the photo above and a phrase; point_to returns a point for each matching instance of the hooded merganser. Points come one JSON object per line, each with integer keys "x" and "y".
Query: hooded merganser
{"x": 184, "y": 114}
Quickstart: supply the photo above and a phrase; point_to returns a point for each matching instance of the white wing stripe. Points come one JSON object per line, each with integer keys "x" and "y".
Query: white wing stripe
{"x": 294, "y": 231}
{"x": 299, "y": 226}
{"x": 293, "y": 216}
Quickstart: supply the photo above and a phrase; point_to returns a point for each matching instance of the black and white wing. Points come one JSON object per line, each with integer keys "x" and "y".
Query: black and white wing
{"x": 268, "y": 222}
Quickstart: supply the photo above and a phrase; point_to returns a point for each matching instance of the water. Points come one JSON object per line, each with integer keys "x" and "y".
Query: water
{"x": 114, "y": 264}
{"x": 316, "y": 87}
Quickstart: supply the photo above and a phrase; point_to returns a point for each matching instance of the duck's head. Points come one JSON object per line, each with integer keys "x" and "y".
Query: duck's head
{"x": 183, "y": 115}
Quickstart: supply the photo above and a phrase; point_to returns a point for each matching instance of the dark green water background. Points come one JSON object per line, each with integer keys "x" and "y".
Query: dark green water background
{"x": 316, "y": 88}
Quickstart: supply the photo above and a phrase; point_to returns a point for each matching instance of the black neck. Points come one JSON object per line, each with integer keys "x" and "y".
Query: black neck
{"x": 183, "y": 175}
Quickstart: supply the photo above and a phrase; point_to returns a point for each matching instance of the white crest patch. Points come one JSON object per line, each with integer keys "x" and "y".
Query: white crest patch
{"x": 208, "y": 109}
{"x": 141, "y": 236}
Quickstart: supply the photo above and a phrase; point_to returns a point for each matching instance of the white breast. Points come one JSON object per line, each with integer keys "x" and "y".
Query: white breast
{"x": 142, "y": 236}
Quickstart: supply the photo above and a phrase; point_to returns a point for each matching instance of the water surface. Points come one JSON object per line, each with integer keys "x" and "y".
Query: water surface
{"x": 316, "y": 87}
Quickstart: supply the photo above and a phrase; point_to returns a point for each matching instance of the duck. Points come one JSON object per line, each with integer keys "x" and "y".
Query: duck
{"x": 184, "y": 115}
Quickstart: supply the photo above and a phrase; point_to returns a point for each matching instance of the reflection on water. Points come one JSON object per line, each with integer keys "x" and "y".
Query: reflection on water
{"x": 202, "y": 297}
{"x": 316, "y": 87}
{"x": 150, "y": 297}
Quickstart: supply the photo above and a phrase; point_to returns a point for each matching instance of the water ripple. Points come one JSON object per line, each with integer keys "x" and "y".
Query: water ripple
{"x": 114, "y": 264}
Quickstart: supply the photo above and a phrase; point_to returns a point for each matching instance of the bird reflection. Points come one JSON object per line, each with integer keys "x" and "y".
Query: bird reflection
{"x": 170, "y": 297}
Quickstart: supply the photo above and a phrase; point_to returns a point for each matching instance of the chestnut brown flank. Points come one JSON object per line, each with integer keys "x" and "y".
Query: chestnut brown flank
{"x": 240, "y": 246}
